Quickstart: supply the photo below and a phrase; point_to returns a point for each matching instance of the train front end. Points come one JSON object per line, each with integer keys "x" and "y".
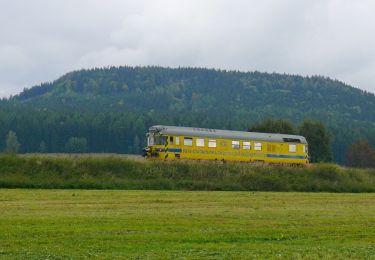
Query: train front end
{"x": 156, "y": 144}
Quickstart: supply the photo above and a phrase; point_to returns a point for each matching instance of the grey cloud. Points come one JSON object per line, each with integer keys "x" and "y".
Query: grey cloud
{"x": 41, "y": 40}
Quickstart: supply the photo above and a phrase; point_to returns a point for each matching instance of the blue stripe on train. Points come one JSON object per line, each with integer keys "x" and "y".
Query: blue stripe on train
{"x": 170, "y": 150}
{"x": 177, "y": 150}
{"x": 174, "y": 150}
{"x": 286, "y": 156}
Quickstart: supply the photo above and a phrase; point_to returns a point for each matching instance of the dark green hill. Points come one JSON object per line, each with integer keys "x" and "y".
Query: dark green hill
{"x": 111, "y": 108}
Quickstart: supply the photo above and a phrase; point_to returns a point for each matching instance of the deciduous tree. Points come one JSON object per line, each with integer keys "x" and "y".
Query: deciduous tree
{"x": 12, "y": 144}
{"x": 318, "y": 139}
{"x": 360, "y": 154}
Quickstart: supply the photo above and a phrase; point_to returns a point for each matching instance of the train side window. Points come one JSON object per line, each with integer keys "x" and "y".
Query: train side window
{"x": 235, "y": 144}
{"x": 292, "y": 148}
{"x": 258, "y": 146}
{"x": 171, "y": 140}
{"x": 177, "y": 140}
{"x": 212, "y": 143}
{"x": 246, "y": 145}
{"x": 199, "y": 142}
{"x": 188, "y": 141}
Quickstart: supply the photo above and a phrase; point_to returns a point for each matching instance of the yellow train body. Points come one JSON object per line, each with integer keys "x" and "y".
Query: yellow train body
{"x": 177, "y": 143}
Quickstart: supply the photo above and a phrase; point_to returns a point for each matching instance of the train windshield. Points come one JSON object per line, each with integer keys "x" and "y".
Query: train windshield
{"x": 157, "y": 140}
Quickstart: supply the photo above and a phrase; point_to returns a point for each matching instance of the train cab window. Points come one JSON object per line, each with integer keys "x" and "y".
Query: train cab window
{"x": 212, "y": 143}
{"x": 199, "y": 142}
{"x": 177, "y": 140}
{"x": 171, "y": 140}
{"x": 306, "y": 149}
{"x": 292, "y": 148}
{"x": 246, "y": 145}
{"x": 235, "y": 144}
{"x": 160, "y": 140}
{"x": 188, "y": 141}
{"x": 258, "y": 146}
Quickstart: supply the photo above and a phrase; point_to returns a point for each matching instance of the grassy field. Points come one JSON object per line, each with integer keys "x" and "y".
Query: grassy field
{"x": 116, "y": 172}
{"x": 55, "y": 224}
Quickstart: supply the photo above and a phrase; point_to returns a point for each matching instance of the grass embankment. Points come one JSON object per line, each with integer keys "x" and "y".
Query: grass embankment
{"x": 78, "y": 224}
{"x": 119, "y": 173}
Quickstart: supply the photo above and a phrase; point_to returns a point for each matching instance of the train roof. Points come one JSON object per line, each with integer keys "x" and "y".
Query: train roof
{"x": 226, "y": 134}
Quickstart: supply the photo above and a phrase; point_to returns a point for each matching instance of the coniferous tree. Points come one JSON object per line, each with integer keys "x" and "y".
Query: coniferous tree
{"x": 273, "y": 126}
{"x": 136, "y": 145}
{"x": 42, "y": 147}
{"x": 76, "y": 145}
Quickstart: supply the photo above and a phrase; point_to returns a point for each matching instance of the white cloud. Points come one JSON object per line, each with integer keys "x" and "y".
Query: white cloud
{"x": 41, "y": 40}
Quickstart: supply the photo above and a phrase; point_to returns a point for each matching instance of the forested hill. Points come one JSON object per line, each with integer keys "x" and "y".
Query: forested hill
{"x": 165, "y": 90}
{"x": 111, "y": 108}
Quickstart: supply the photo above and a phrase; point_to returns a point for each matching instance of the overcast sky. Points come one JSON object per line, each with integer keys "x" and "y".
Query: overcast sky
{"x": 40, "y": 40}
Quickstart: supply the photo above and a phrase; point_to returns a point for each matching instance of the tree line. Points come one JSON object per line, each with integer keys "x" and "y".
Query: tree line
{"x": 359, "y": 154}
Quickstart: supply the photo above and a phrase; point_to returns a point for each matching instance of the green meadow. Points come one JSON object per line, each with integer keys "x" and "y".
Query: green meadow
{"x": 112, "y": 224}
{"x": 113, "y": 207}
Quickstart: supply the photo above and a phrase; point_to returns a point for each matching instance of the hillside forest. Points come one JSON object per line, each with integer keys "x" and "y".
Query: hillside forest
{"x": 109, "y": 110}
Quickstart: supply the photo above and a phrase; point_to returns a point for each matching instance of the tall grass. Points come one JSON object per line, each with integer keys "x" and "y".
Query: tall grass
{"x": 120, "y": 173}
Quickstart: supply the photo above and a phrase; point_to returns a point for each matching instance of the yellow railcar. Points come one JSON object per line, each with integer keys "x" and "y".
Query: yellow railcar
{"x": 174, "y": 142}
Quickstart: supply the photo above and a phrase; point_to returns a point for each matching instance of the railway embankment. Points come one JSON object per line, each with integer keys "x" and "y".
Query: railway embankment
{"x": 123, "y": 172}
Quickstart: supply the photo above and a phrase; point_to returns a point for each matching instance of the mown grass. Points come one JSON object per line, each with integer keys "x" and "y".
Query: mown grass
{"x": 119, "y": 173}
{"x": 114, "y": 224}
